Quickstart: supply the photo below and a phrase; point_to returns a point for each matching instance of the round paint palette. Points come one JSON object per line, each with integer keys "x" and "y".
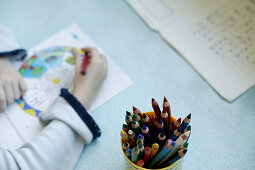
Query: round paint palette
{"x": 45, "y": 73}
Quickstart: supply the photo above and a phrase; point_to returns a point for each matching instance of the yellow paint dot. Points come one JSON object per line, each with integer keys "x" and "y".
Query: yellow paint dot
{"x": 56, "y": 80}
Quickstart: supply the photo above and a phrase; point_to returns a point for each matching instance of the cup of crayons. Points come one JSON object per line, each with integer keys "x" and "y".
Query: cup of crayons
{"x": 155, "y": 140}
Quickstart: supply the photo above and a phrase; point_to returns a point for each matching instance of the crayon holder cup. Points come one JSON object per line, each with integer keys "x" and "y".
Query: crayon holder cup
{"x": 131, "y": 166}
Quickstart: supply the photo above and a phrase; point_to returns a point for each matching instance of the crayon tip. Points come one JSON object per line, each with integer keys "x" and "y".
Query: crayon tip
{"x": 140, "y": 136}
{"x": 179, "y": 120}
{"x": 130, "y": 132}
{"x": 164, "y": 110}
{"x": 155, "y": 146}
{"x": 152, "y": 100}
{"x": 135, "y": 116}
{"x": 186, "y": 145}
{"x": 122, "y": 132}
{"x": 189, "y": 128}
{"x": 128, "y": 150}
{"x": 160, "y": 121}
{"x": 185, "y": 151}
{"x": 144, "y": 127}
{"x": 135, "y": 149}
{"x": 147, "y": 149}
{"x": 165, "y": 100}
{"x": 127, "y": 117}
{"x": 173, "y": 143}
{"x": 124, "y": 126}
{"x": 162, "y": 135}
{"x": 189, "y": 116}
{"x": 128, "y": 113}
{"x": 134, "y": 108}
{"x": 144, "y": 116}
{"x": 179, "y": 129}
{"x": 125, "y": 144}
{"x": 133, "y": 122}
{"x": 140, "y": 145}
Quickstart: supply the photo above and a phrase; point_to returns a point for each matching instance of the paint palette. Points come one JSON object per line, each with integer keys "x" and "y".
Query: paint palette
{"x": 45, "y": 73}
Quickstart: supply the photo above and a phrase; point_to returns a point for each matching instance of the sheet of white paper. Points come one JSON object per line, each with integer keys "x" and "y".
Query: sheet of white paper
{"x": 28, "y": 126}
{"x": 216, "y": 37}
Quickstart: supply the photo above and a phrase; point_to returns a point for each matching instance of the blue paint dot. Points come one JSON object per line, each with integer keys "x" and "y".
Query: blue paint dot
{"x": 75, "y": 36}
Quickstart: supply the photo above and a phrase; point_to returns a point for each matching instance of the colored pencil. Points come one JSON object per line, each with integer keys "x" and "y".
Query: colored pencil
{"x": 135, "y": 154}
{"x": 188, "y": 129}
{"x": 84, "y": 63}
{"x": 147, "y": 121}
{"x": 129, "y": 113}
{"x": 161, "y": 140}
{"x": 124, "y": 136}
{"x": 181, "y": 154}
{"x": 162, "y": 154}
{"x": 125, "y": 146}
{"x": 166, "y": 106}
{"x": 164, "y": 117}
{"x": 185, "y": 122}
{"x": 137, "y": 111}
{"x": 138, "y": 119}
{"x": 176, "y": 125}
{"x": 141, "y": 150}
{"x": 154, "y": 149}
{"x": 136, "y": 128}
{"x": 128, "y": 153}
{"x": 147, "y": 155}
{"x": 140, "y": 136}
{"x": 131, "y": 134}
{"x": 146, "y": 132}
{"x": 125, "y": 127}
{"x": 156, "y": 108}
{"x": 139, "y": 141}
{"x": 160, "y": 126}
{"x": 128, "y": 120}
{"x": 176, "y": 134}
{"x": 140, "y": 163}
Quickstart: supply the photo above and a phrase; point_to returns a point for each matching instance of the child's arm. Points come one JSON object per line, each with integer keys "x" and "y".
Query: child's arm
{"x": 68, "y": 120}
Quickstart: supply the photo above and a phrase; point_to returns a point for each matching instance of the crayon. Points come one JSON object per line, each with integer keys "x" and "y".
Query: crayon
{"x": 166, "y": 106}
{"x": 164, "y": 117}
{"x": 154, "y": 149}
{"x": 141, "y": 150}
{"x": 185, "y": 122}
{"x": 84, "y": 63}
{"x": 125, "y": 146}
{"x": 146, "y": 132}
{"x": 156, "y": 108}
{"x": 135, "y": 154}
{"x": 181, "y": 154}
{"x": 176, "y": 134}
{"x": 140, "y": 163}
{"x": 128, "y": 153}
{"x": 162, "y": 154}
{"x": 147, "y": 155}
{"x": 131, "y": 134}
{"x": 125, "y": 127}
{"x": 136, "y": 127}
{"x": 124, "y": 136}
{"x": 137, "y": 111}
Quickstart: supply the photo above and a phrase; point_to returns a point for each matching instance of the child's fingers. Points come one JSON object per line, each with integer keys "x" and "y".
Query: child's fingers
{"x": 16, "y": 90}
{"x": 77, "y": 60}
{"x": 92, "y": 52}
{"x": 3, "y": 104}
{"x": 22, "y": 86}
{"x": 9, "y": 93}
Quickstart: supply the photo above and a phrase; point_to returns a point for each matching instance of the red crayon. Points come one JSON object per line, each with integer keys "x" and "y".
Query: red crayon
{"x": 166, "y": 106}
{"x": 84, "y": 63}
{"x": 156, "y": 108}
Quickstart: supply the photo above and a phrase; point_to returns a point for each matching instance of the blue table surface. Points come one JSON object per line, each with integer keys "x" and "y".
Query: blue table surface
{"x": 222, "y": 133}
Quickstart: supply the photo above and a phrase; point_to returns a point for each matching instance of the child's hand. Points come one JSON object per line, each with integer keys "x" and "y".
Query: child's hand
{"x": 12, "y": 85}
{"x": 86, "y": 86}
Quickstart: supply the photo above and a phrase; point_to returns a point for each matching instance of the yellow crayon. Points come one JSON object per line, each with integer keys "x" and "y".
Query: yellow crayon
{"x": 154, "y": 149}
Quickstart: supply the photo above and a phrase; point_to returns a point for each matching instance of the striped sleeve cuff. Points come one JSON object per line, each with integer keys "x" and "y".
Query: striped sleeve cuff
{"x": 82, "y": 112}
